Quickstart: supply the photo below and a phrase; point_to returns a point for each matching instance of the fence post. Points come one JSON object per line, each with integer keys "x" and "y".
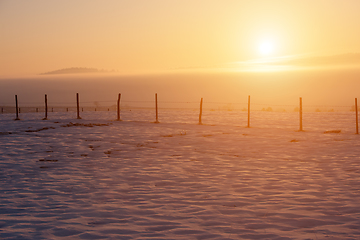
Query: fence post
{"x": 201, "y": 102}
{"x": 248, "y": 125}
{"x": 118, "y": 107}
{"x": 17, "y": 108}
{"x": 356, "y": 112}
{"x": 77, "y": 106}
{"x": 300, "y": 115}
{"x": 156, "y": 109}
{"x": 46, "y": 108}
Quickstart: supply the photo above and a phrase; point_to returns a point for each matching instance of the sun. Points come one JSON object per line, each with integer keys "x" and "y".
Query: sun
{"x": 266, "y": 48}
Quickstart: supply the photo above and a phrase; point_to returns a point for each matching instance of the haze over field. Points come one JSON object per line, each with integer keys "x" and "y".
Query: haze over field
{"x": 326, "y": 88}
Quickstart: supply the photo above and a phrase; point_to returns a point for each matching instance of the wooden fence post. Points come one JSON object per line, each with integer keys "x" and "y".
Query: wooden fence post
{"x": 201, "y": 102}
{"x": 300, "y": 115}
{"x": 46, "y": 108}
{"x": 17, "y": 108}
{"x": 77, "y": 106}
{"x": 156, "y": 109}
{"x": 248, "y": 125}
{"x": 356, "y": 112}
{"x": 118, "y": 107}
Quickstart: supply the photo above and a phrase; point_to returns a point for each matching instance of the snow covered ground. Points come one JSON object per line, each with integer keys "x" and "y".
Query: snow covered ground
{"x": 96, "y": 178}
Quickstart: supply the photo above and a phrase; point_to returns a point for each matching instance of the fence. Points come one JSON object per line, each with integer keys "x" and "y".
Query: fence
{"x": 246, "y": 107}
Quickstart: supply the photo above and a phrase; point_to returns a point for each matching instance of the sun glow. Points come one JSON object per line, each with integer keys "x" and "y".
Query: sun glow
{"x": 266, "y": 48}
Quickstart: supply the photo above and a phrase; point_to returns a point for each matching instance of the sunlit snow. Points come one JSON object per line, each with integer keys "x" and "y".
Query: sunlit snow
{"x": 98, "y": 178}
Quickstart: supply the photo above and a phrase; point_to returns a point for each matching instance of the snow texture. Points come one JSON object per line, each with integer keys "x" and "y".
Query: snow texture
{"x": 97, "y": 178}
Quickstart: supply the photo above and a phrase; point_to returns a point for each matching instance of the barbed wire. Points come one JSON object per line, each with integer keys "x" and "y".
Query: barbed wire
{"x": 274, "y": 105}
{"x": 94, "y": 103}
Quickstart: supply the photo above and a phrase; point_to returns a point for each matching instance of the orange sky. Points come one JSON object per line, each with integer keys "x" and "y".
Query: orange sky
{"x": 154, "y": 36}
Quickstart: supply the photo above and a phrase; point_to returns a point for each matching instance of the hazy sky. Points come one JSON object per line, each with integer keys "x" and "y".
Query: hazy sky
{"x": 143, "y": 36}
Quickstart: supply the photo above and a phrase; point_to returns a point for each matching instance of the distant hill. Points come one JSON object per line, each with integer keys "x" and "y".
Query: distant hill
{"x": 75, "y": 70}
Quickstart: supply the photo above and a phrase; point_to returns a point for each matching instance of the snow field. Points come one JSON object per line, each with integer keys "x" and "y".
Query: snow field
{"x": 96, "y": 178}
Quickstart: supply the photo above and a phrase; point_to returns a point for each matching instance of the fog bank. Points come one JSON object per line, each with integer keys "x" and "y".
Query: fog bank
{"x": 330, "y": 88}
